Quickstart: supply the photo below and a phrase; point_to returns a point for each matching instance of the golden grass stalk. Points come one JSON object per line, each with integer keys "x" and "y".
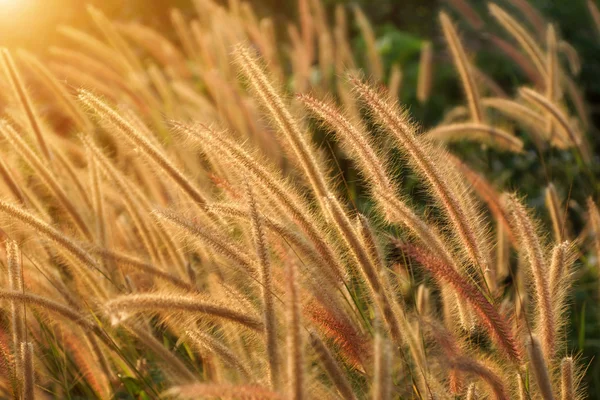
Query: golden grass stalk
{"x": 89, "y": 64}
{"x": 159, "y": 81}
{"x": 564, "y": 127}
{"x": 18, "y": 87}
{"x": 567, "y": 381}
{"x": 332, "y": 368}
{"x": 520, "y": 34}
{"x": 594, "y": 217}
{"x": 273, "y": 103}
{"x": 260, "y": 244}
{"x": 395, "y": 210}
{"x": 484, "y": 133}
{"x": 130, "y": 204}
{"x": 382, "y": 379}
{"x": 26, "y": 349}
{"x": 294, "y": 206}
{"x": 10, "y": 181}
{"x": 595, "y": 14}
{"x": 51, "y": 306}
{"x": 563, "y": 257}
{"x": 218, "y": 242}
{"x": 58, "y": 89}
{"x": 553, "y": 76}
{"x": 497, "y": 326}
{"x": 466, "y": 364}
{"x": 557, "y": 215}
{"x": 138, "y": 139}
{"x": 526, "y": 232}
{"x": 295, "y": 343}
{"x": 94, "y": 46}
{"x": 195, "y": 304}
{"x": 179, "y": 372}
{"x": 522, "y": 391}
{"x": 353, "y": 134}
{"x": 532, "y": 15}
{"x": 280, "y": 229}
{"x": 445, "y": 185}
{"x": 464, "y": 68}
{"x": 220, "y": 390}
{"x": 82, "y": 78}
{"x": 395, "y": 81}
{"x": 468, "y": 13}
{"x": 375, "y": 65}
{"x": 158, "y": 46}
{"x": 115, "y": 39}
{"x": 533, "y": 121}
{"x": 422, "y": 301}
{"x": 502, "y": 252}
{"x": 183, "y": 33}
{"x": 471, "y": 392}
{"x": 98, "y": 201}
{"x": 571, "y": 55}
{"x": 46, "y": 175}
{"x": 539, "y": 368}
{"x": 64, "y": 166}
{"x": 424, "y": 81}
{"x": 144, "y": 267}
{"x": 7, "y": 366}
{"x": 307, "y": 30}
{"x": 49, "y": 232}
{"x": 371, "y": 272}
{"x": 15, "y": 283}
{"x": 206, "y": 342}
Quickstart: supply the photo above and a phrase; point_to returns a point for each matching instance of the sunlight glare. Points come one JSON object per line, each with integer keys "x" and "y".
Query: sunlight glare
{"x": 8, "y": 6}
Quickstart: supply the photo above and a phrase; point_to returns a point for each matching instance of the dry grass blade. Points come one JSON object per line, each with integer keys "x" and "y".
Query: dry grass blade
{"x": 220, "y": 390}
{"x": 332, "y": 368}
{"x": 295, "y": 352}
{"x": 497, "y": 325}
{"x": 539, "y": 368}
{"x": 293, "y": 204}
{"x": 26, "y": 350}
{"x": 564, "y": 127}
{"x": 211, "y": 237}
{"x": 567, "y": 383}
{"x": 58, "y": 89}
{"x": 137, "y": 138}
{"x": 18, "y": 87}
{"x": 15, "y": 283}
{"x": 595, "y": 14}
{"x": 464, "y": 69}
{"x": 205, "y": 342}
{"x": 260, "y": 244}
{"x": 526, "y": 232}
{"x": 46, "y": 175}
{"x": 594, "y": 216}
{"x": 272, "y": 102}
{"x": 425, "y": 78}
{"x": 446, "y": 186}
{"x": 484, "y": 133}
{"x": 49, "y": 232}
{"x": 557, "y": 215}
{"x": 169, "y": 303}
{"x": 527, "y": 43}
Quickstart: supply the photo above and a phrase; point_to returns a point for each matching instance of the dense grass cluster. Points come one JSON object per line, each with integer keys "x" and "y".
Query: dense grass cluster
{"x": 172, "y": 229}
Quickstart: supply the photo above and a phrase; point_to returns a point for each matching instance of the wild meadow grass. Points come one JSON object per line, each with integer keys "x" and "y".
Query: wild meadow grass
{"x": 172, "y": 229}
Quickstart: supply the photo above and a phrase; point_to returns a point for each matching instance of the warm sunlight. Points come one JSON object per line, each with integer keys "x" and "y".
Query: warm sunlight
{"x": 299, "y": 199}
{"x": 11, "y": 6}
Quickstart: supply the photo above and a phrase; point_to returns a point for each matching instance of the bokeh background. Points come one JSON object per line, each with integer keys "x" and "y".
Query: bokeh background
{"x": 401, "y": 27}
